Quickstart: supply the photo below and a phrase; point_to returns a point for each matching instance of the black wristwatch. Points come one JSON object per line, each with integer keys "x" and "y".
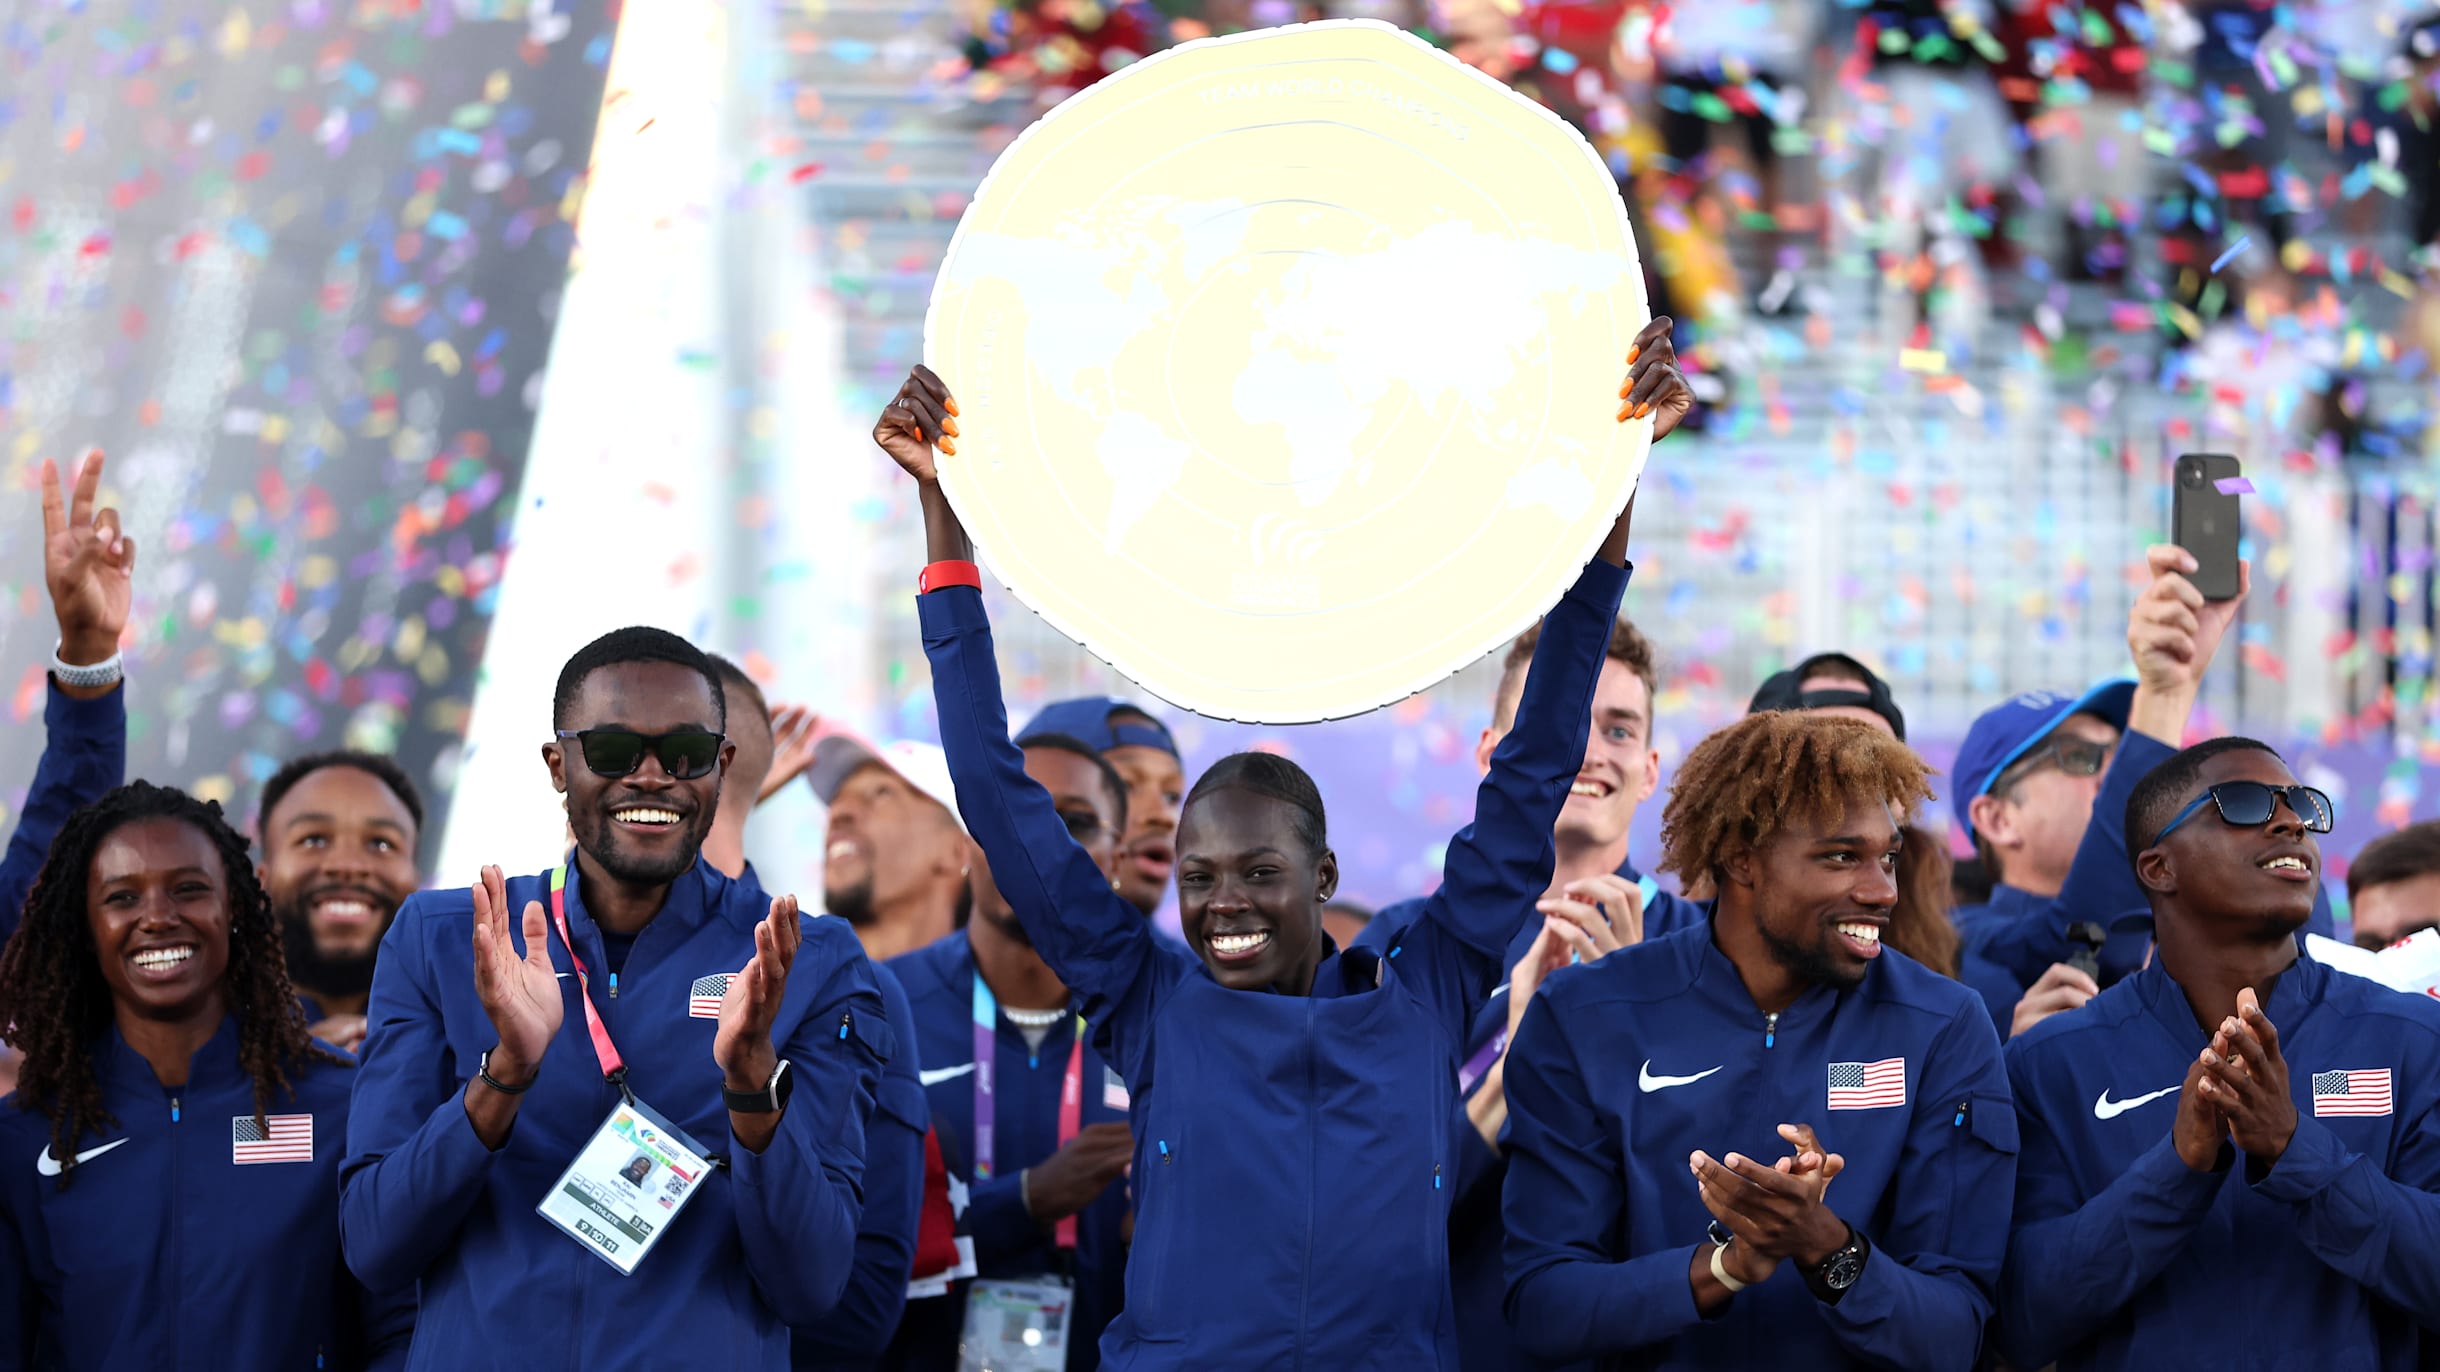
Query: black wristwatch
{"x": 768, "y": 1101}
{"x": 1830, "y": 1280}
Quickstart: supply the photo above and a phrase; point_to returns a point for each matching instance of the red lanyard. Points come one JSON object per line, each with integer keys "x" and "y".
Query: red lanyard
{"x": 614, "y": 1067}
{"x": 986, "y": 1016}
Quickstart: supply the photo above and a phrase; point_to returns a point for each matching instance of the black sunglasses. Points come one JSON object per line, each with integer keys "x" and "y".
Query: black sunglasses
{"x": 2077, "y": 757}
{"x": 685, "y": 755}
{"x": 2248, "y": 803}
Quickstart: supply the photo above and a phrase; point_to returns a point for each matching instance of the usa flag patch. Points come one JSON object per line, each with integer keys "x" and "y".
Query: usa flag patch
{"x": 1868, "y": 1085}
{"x": 703, "y": 998}
{"x": 2362, "y": 1092}
{"x": 278, "y": 1138}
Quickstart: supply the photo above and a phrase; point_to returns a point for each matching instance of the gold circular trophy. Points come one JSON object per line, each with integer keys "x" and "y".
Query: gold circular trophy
{"x": 1288, "y": 365}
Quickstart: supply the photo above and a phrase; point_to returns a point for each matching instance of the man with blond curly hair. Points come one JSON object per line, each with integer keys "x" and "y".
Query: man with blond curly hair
{"x": 1780, "y": 1028}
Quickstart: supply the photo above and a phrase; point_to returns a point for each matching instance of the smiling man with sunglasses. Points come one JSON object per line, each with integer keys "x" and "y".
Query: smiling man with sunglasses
{"x": 2040, "y": 783}
{"x": 652, "y": 1005}
{"x": 2232, "y": 1157}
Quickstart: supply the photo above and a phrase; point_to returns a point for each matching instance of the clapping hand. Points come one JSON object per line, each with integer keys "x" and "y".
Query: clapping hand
{"x": 520, "y": 992}
{"x": 1778, "y": 1212}
{"x": 2246, "y": 1080}
{"x": 742, "y": 1045}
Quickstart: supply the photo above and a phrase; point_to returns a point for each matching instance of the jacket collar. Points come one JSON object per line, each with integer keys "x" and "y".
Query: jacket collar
{"x": 2297, "y": 991}
{"x": 214, "y": 1065}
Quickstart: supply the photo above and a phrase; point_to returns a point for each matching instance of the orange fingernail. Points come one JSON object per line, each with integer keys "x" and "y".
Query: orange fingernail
{"x": 1634, "y": 353}
{"x": 1643, "y": 409}
{"x": 1622, "y": 391}
{"x": 949, "y": 427}
{"x": 949, "y": 446}
{"x": 950, "y": 404}
{"x": 1625, "y": 412}
{"x": 919, "y": 433}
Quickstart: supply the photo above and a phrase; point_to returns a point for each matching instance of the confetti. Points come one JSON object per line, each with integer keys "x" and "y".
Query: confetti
{"x": 2234, "y": 485}
{"x": 2231, "y": 255}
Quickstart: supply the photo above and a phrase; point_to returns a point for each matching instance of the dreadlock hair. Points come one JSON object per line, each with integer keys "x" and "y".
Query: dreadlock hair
{"x": 1749, "y": 781}
{"x": 1275, "y": 778}
{"x": 55, "y": 1004}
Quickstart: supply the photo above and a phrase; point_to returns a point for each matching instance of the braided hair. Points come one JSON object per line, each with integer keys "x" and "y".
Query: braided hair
{"x": 54, "y": 1003}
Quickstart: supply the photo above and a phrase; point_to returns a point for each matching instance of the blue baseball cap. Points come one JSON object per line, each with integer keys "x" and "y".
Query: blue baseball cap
{"x": 1088, "y": 721}
{"x": 2007, "y": 732}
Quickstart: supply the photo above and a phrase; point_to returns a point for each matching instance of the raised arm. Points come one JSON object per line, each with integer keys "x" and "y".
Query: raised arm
{"x": 1499, "y": 866}
{"x": 89, "y": 568}
{"x": 1098, "y": 944}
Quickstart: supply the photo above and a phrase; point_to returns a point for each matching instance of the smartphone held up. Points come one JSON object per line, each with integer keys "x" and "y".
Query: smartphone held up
{"x": 2204, "y": 519}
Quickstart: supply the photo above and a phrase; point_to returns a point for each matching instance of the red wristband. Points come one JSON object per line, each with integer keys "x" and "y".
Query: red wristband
{"x": 940, "y": 574}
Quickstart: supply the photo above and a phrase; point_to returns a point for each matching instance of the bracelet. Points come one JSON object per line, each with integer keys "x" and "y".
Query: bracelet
{"x": 1719, "y": 1271}
{"x": 482, "y": 1071}
{"x": 948, "y": 573}
{"x": 107, "y": 672}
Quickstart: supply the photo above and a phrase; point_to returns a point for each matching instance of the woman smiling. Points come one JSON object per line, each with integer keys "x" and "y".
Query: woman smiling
{"x": 165, "y": 1052}
{"x": 1291, "y": 1101}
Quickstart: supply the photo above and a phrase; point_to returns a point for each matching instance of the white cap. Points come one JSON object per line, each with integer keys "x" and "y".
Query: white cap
{"x": 920, "y": 765}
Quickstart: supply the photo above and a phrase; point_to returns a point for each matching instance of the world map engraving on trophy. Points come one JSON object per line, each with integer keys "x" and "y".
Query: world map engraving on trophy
{"x": 1207, "y": 339}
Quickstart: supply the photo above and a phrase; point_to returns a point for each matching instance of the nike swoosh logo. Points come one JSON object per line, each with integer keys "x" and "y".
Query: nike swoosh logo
{"x": 48, "y": 1166}
{"x": 944, "y": 1074}
{"x": 2106, "y": 1109}
{"x": 1649, "y": 1082}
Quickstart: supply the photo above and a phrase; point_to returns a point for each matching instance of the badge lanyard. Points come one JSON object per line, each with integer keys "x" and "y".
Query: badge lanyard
{"x": 639, "y": 1169}
{"x": 1071, "y": 1092}
{"x": 614, "y": 1067}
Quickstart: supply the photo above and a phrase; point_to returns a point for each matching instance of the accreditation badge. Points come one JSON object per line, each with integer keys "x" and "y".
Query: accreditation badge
{"x": 630, "y": 1181}
{"x": 1016, "y": 1326}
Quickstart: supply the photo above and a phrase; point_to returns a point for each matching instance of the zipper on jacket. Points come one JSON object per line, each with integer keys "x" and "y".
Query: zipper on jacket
{"x": 1959, "y": 1122}
{"x": 1770, "y": 1029}
{"x": 173, "y": 1109}
{"x": 1435, "y": 1176}
{"x": 639, "y": 938}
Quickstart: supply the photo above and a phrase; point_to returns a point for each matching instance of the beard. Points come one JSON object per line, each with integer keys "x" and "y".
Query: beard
{"x": 325, "y": 974}
{"x": 601, "y": 838}
{"x": 1808, "y": 962}
{"x": 853, "y": 903}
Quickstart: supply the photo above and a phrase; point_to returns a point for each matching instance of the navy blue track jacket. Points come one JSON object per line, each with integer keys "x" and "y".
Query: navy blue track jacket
{"x": 2327, "y": 1260}
{"x": 1478, "y": 1278}
{"x": 767, "y": 1242}
{"x": 1625, "y": 1066}
{"x": 1292, "y": 1156}
{"x": 84, "y": 757}
{"x": 1007, "y": 1241}
{"x": 857, "y": 1331}
{"x": 185, "y": 1239}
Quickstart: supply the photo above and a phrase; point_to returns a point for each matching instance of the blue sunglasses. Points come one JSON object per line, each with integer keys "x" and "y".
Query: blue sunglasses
{"x": 2248, "y": 803}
